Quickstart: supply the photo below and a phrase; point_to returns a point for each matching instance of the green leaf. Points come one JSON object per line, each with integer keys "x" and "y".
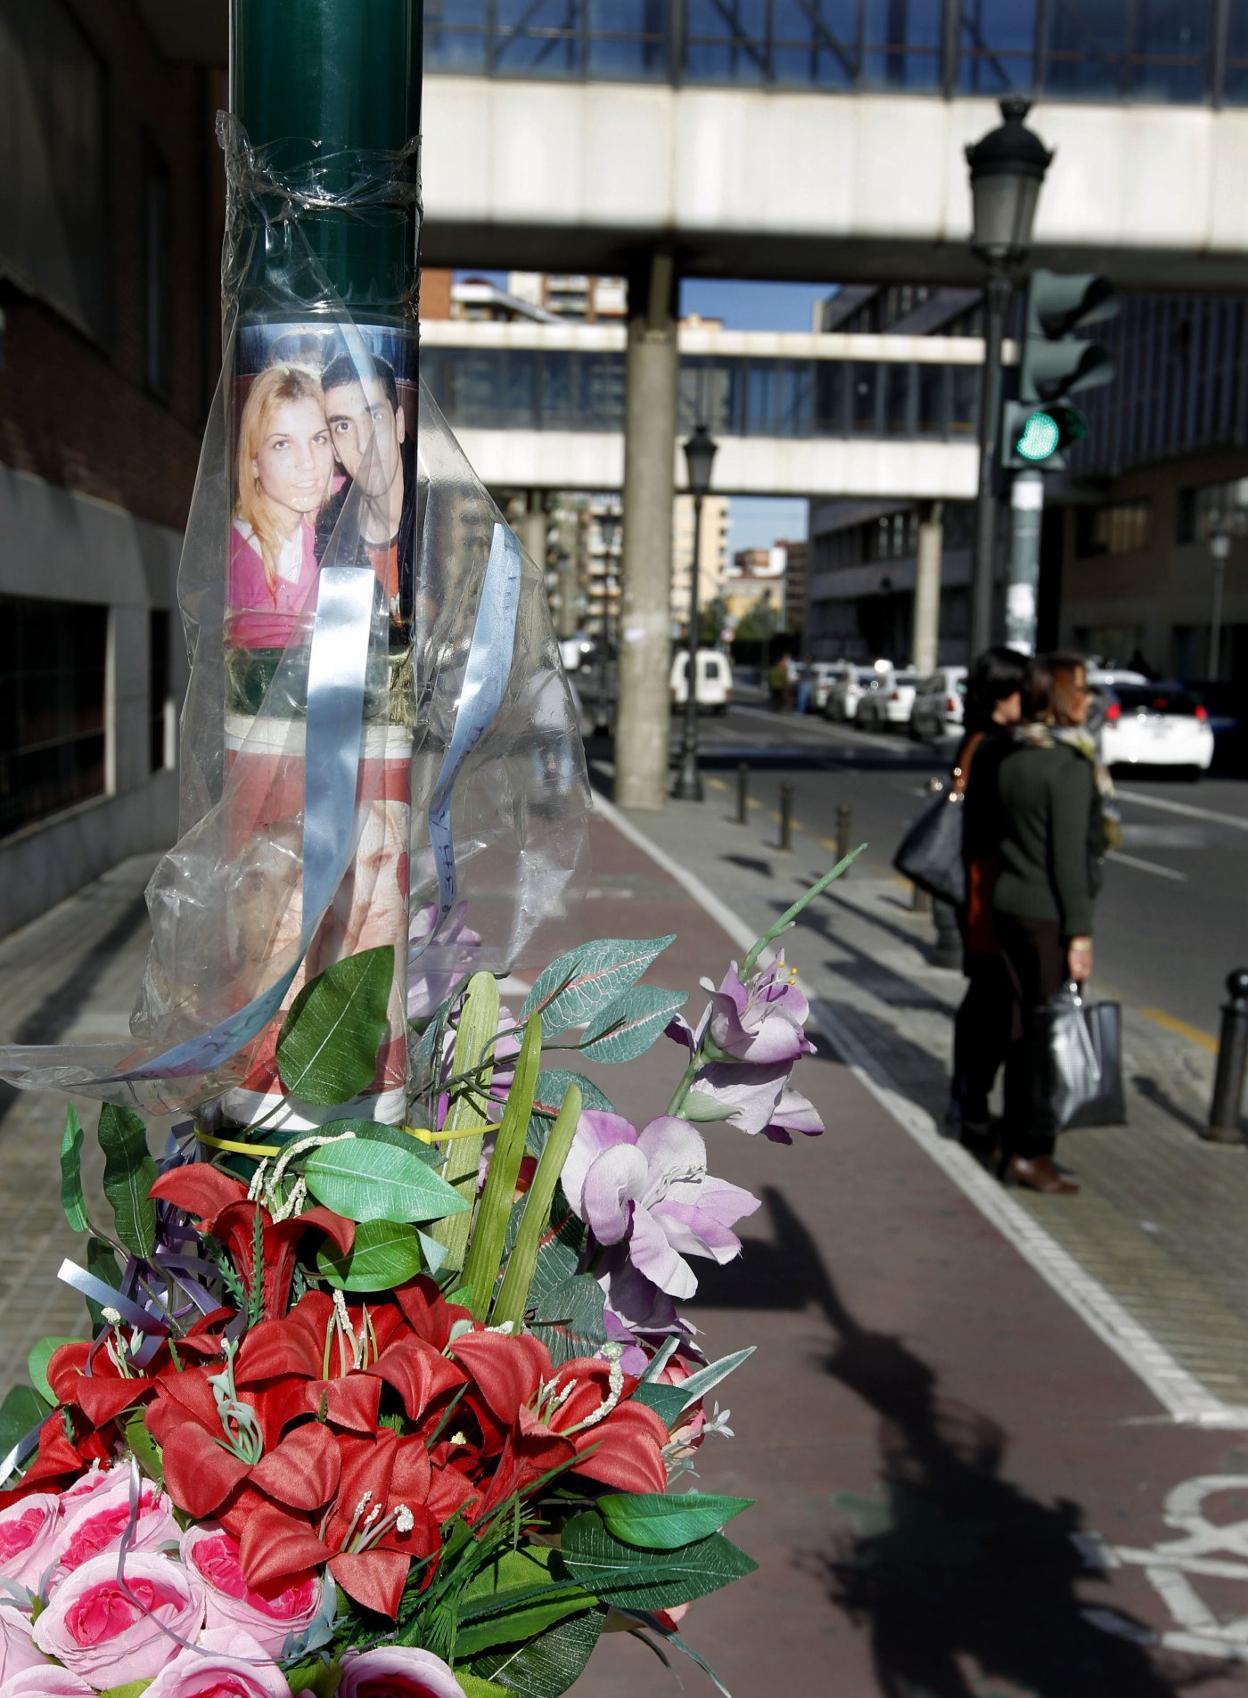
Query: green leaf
{"x": 102, "y": 1262}
{"x": 668, "y": 1402}
{"x": 706, "y": 1379}
{"x": 129, "y": 1174}
{"x": 474, "y": 1038}
{"x": 631, "y": 1024}
{"x": 367, "y": 1180}
{"x": 568, "y": 1318}
{"x": 513, "y": 1599}
{"x": 666, "y": 1521}
{"x": 700, "y": 1107}
{"x": 385, "y": 1254}
{"x": 132, "y": 1689}
{"x": 579, "y": 985}
{"x": 544, "y": 1667}
{"x": 22, "y": 1410}
{"x": 72, "y": 1200}
{"x": 489, "y": 1230}
{"x": 475, "y": 1687}
{"x": 526, "y": 1251}
{"x": 143, "y": 1447}
{"x": 633, "y": 1580}
{"x": 552, "y": 1087}
{"x": 327, "y": 1049}
{"x": 37, "y": 1364}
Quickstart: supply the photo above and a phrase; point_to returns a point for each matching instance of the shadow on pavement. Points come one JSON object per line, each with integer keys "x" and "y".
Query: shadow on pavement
{"x": 53, "y": 1016}
{"x": 960, "y": 1577}
{"x": 1154, "y": 1093}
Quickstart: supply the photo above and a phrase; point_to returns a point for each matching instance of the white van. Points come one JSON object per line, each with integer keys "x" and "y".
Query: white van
{"x": 714, "y": 690}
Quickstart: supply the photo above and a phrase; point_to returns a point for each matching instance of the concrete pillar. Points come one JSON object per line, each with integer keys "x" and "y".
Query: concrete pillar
{"x": 532, "y": 528}
{"x": 641, "y": 723}
{"x": 925, "y": 645}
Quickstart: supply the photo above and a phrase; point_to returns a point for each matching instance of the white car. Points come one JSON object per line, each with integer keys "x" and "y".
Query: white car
{"x": 824, "y": 675}
{"x": 848, "y": 691}
{"x": 714, "y": 687}
{"x": 890, "y": 703}
{"x": 1155, "y": 725}
{"x": 938, "y": 704}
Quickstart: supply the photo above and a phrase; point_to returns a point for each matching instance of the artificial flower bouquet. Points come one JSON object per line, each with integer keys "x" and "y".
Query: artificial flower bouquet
{"x": 374, "y": 1410}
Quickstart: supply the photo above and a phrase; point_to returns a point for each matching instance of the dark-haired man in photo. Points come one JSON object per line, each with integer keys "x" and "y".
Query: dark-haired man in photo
{"x": 369, "y": 436}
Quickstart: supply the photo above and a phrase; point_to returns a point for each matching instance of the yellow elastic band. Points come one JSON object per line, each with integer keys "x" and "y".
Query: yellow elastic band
{"x": 233, "y": 1148}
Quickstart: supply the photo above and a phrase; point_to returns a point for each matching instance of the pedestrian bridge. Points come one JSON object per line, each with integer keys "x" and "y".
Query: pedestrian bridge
{"x": 539, "y": 406}
{"x": 812, "y": 139}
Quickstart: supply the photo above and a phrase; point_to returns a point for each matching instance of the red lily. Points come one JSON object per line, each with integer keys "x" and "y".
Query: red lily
{"x": 378, "y": 1524}
{"x": 58, "y": 1461}
{"x": 221, "y": 1204}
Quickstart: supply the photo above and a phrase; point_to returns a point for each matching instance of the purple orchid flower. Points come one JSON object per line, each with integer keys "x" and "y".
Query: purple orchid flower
{"x": 762, "y": 1019}
{"x": 758, "y": 1099}
{"x": 651, "y": 1190}
{"x": 438, "y": 969}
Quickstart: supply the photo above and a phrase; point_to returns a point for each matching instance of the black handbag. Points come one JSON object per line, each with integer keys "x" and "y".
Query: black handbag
{"x": 1077, "y": 1072}
{"x": 930, "y": 854}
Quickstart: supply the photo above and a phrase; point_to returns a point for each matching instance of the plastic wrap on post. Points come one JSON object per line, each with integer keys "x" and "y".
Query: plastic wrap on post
{"x": 306, "y": 798}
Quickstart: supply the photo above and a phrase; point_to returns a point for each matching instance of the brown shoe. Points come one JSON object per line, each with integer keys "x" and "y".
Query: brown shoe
{"x": 1038, "y": 1173}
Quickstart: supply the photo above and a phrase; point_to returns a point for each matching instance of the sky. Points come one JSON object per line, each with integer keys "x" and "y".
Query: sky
{"x": 753, "y": 521}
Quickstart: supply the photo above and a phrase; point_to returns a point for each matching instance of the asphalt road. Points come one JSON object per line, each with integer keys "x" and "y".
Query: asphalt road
{"x": 1172, "y": 920}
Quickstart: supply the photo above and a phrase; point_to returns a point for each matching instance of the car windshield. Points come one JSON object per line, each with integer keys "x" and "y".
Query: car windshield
{"x": 1152, "y": 698}
{"x": 907, "y": 678}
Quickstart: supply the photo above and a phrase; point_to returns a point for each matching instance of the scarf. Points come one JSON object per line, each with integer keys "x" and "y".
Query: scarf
{"x": 1037, "y": 736}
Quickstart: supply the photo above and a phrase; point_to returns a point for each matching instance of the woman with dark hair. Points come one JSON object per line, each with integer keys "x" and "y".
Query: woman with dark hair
{"x": 1056, "y": 822}
{"x": 981, "y": 1027}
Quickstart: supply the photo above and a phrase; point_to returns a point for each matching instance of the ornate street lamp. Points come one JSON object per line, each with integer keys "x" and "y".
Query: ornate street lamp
{"x": 1007, "y": 169}
{"x": 699, "y": 457}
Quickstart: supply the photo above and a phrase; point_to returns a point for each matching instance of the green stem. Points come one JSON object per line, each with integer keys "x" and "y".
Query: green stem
{"x": 686, "y": 1080}
{"x": 790, "y": 914}
{"x": 513, "y": 1295}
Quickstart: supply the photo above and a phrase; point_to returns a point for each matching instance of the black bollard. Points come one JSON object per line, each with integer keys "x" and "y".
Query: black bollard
{"x": 1228, "y": 1086}
{"x": 786, "y": 816}
{"x": 743, "y": 794}
{"x": 844, "y": 831}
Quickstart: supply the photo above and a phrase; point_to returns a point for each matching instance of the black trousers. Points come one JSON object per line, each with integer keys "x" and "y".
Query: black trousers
{"x": 1034, "y": 952}
{"x": 981, "y": 1032}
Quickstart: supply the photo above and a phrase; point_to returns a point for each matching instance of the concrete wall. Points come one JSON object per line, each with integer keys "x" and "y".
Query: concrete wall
{"x": 757, "y": 183}
{"x": 71, "y": 548}
{"x": 571, "y": 459}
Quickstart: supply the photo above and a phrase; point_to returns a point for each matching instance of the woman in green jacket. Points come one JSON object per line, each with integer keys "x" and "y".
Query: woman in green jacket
{"x": 1053, "y": 836}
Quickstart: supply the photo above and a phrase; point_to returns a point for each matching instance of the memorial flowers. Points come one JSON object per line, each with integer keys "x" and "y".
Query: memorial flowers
{"x": 391, "y": 1410}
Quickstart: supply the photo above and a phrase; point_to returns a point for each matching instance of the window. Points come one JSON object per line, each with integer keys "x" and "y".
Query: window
{"x": 160, "y": 715}
{"x": 1204, "y": 508}
{"x": 1118, "y": 528}
{"x": 157, "y": 271}
{"x": 53, "y": 97}
{"x": 52, "y": 707}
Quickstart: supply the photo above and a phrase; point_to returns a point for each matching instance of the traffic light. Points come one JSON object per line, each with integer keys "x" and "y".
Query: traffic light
{"x": 1038, "y": 423}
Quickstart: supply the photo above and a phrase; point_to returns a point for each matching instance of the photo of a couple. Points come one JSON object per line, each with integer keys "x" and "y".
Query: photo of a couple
{"x": 304, "y": 443}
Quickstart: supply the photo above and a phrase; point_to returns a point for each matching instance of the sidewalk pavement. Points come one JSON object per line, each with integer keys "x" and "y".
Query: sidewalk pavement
{"x": 958, "y": 1483}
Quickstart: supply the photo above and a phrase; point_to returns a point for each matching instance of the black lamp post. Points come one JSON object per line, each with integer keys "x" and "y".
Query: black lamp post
{"x": 1007, "y": 169}
{"x": 607, "y": 522}
{"x": 699, "y": 456}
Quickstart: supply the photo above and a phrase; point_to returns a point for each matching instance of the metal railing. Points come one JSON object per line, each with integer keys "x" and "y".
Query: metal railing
{"x": 1182, "y": 51}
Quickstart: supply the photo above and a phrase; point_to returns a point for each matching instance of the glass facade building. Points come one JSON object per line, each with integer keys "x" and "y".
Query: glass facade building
{"x": 1188, "y": 51}
{"x": 736, "y": 395}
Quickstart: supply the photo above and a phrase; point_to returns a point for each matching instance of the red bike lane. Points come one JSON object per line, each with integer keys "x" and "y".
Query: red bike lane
{"x": 961, "y": 1490}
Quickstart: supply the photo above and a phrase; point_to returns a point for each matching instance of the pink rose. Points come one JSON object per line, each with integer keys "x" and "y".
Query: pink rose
{"x": 27, "y": 1530}
{"x": 16, "y": 1650}
{"x": 96, "y": 1479}
{"x": 213, "y": 1555}
{"x": 397, "y": 1671}
{"x": 47, "y": 1682}
{"x": 98, "y": 1521}
{"x": 221, "y": 1664}
{"x": 105, "y": 1632}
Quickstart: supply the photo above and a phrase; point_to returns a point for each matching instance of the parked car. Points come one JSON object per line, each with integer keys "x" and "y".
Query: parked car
{"x": 824, "y": 675}
{"x": 714, "y": 687}
{"x": 1156, "y": 725}
{"x": 1227, "y": 706}
{"x": 848, "y": 691}
{"x": 890, "y": 703}
{"x": 938, "y": 704}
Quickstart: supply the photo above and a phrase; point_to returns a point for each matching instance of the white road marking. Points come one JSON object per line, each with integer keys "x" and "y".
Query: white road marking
{"x": 1169, "y": 807}
{"x": 1146, "y": 866}
{"x": 1174, "y": 1388}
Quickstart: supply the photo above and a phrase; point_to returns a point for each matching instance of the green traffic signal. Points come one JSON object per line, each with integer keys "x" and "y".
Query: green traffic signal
{"x": 1039, "y": 439}
{"x": 1055, "y": 362}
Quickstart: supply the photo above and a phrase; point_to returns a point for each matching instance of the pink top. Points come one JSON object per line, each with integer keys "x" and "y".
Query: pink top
{"x": 258, "y": 617}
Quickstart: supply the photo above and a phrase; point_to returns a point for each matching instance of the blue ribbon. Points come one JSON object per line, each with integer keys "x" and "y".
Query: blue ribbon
{"x": 485, "y": 682}
{"x": 337, "y": 663}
